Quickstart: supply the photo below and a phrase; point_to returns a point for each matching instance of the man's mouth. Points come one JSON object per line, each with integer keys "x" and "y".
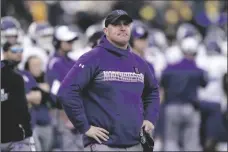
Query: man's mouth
{"x": 122, "y": 34}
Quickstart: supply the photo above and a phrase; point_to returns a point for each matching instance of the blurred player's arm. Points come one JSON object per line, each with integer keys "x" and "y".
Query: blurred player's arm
{"x": 163, "y": 82}
{"x": 48, "y": 98}
{"x": 203, "y": 79}
{"x": 34, "y": 97}
{"x": 44, "y": 86}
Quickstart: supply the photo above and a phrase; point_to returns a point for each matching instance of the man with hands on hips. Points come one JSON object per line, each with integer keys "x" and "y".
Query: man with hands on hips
{"x": 110, "y": 94}
{"x": 97, "y": 132}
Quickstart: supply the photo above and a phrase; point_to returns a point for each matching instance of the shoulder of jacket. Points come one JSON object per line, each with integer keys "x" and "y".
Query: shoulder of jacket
{"x": 92, "y": 56}
{"x": 139, "y": 59}
{"x": 25, "y": 73}
{"x": 53, "y": 61}
{"x": 12, "y": 74}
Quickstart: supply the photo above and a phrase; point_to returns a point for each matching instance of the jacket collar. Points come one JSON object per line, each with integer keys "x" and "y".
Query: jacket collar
{"x": 10, "y": 64}
{"x": 111, "y": 48}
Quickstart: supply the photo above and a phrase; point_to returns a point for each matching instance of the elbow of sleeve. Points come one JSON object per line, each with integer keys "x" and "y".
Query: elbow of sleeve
{"x": 79, "y": 121}
{"x": 84, "y": 128}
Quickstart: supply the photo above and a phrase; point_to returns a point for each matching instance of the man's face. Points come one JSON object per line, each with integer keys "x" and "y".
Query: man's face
{"x": 14, "y": 54}
{"x": 45, "y": 42}
{"x": 140, "y": 44}
{"x": 66, "y": 46}
{"x": 119, "y": 32}
{"x": 35, "y": 66}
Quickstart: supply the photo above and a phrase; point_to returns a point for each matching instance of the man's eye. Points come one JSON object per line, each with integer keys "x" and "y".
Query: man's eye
{"x": 115, "y": 24}
{"x": 121, "y": 23}
{"x": 126, "y": 23}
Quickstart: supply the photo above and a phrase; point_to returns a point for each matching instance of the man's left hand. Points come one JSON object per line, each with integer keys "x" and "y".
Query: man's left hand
{"x": 148, "y": 126}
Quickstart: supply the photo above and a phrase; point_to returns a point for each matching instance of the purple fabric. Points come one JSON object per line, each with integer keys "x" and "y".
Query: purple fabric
{"x": 30, "y": 82}
{"x": 61, "y": 65}
{"x": 105, "y": 88}
{"x": 181, "y": 81}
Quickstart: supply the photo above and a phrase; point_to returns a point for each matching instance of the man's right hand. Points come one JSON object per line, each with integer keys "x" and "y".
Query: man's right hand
{"x": 97, "y": 133}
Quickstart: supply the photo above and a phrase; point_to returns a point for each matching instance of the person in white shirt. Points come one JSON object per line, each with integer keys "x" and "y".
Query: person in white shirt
{"x": 93, "y": 34}
{"x": 213, "y": 97}
{"x": 173, "y": 53}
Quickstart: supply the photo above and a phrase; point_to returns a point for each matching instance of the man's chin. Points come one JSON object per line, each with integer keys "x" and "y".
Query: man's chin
{"x": 67, "y": 51}
{"x": 123, "y": 42}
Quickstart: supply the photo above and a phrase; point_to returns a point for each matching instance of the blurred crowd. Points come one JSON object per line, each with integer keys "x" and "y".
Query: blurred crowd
{"x": 54, "y": 34}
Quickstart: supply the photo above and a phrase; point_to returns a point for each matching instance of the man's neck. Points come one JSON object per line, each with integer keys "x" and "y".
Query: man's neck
{"x": 61, "y": 53}
{"x": 189, "y": 57}
{"x": 118, "y": 46}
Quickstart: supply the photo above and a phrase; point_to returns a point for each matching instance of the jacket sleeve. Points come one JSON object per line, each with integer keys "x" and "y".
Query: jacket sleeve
{"x": 52, "y": 73}
{"x": 150, "y": 96}
{"x": 71, "y": 89}
{"x": 19, "y": 95}
{"x": 48, "y": 97}
{"x": 29, "y": 81}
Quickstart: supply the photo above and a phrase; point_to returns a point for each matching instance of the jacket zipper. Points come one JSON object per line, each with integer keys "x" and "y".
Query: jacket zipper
{"x": 22, "y": 130}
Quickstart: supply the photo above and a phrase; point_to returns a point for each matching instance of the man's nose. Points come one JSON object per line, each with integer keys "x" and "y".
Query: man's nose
{"x": 19, "y": 54}
{"x": 122, "y": 26}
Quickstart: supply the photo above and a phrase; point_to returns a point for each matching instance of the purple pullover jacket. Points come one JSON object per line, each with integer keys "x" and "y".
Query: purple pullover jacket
{"x": 113, "y": 89}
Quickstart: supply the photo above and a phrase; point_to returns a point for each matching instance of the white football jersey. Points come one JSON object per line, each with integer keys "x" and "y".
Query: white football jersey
{"x": 216, "y": 67}
{"x": 173, "y": 54}
{"x": 154, "y": 56}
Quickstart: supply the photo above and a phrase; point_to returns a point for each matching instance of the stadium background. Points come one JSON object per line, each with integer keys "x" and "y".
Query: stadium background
{"x": 209, "y": 18}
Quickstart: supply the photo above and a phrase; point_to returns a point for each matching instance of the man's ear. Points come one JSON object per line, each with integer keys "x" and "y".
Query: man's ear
{"x": 5, "y": 55}
{"x": 105, "y": 30}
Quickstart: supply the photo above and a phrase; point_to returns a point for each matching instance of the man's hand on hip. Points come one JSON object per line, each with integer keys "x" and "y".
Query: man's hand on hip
{"x": 148, "y": 126}
{"x": 97, "y": 133}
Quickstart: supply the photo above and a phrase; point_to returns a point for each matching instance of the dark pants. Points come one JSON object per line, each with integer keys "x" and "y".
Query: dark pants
{"x": 207, "y": 110}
